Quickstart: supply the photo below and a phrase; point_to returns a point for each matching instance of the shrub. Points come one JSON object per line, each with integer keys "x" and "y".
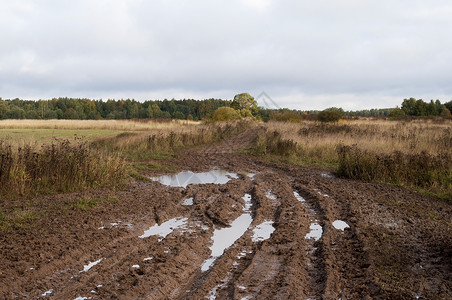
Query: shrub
{"x": 286, "y": 116}
{"x": 225, "y": 114}
{"x": 329, "y": 116}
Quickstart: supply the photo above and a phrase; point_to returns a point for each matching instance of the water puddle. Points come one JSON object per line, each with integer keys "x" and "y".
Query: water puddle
{"x": 270, "y": 195}
{"x": 340, "y": 225}
{"x": 188, "y": 201}
{"x": 213, "y": 293}
{"x": 183, "y": 179}
{"x": 82, "y": 298}
{"x": 136, "y": 266}
{"x": 48, "y": 293}
{"x": 299, "y": 198}
{"x": 263, "y": 231}
{"x": 148, "y": 258}
{"x": 225, "y": 237}
{"x": 165, "y": 228}
{"x": 327, "y": 175}
{"x": 321, "y": 194}
{"x": 90, "y": 265}
{"x": 315, "y": 233}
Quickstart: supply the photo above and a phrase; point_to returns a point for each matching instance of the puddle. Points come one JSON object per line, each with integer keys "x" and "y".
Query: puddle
{"x": 270, "y": 195}
{"x": 225, "y": 237}
{"x": 315, "y": 233}
{"x": 188, "y": 201}
{"x": 321, "y": 194}
{"x": 183, "y": 179}
{"x": 90, "y": 265}
{"x": 136, "y": 266}
{"x": 263, "y": 231}
{"x": 340, "y": 225}
{"x": 250, "y": 175}
{"x": 299, "y": 198}
{"x": 48, "y": 293}
{"x": 82, "y": 298}
{"x": 148, "y": 258}
{"x": 165, "y": 228}
{"x": 327, "y": 175}
{"x": 213, "y": 293}
{"x": 114, "y": 224}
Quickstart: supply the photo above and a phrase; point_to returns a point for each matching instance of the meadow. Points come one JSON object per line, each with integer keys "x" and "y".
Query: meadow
{"x": 41, "y": 156}
{"x": 59, "y": 155}
{"x": 415, "y": 154}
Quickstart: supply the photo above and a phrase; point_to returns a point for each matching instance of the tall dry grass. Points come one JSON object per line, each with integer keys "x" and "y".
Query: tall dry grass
{"x": 416, "y": 153}
{"x": 144, "y": 145}
{"x": 58, "y": 167}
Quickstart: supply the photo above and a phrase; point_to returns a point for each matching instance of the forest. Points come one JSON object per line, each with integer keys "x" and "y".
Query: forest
{"x": 186, "y": 109}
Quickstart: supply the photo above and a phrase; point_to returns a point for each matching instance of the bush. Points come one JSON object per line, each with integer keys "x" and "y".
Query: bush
{"x": 329, "y": 116}
{"x": 286, "y": 116}
{"x": 225, "y": 114}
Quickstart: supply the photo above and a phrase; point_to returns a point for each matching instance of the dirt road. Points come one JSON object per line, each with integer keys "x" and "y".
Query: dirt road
{"x": 281, "y": 225}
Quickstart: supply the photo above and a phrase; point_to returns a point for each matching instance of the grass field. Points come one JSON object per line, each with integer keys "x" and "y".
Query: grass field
{"x": 48, "y": 131}
{"x": 414, "y": 154}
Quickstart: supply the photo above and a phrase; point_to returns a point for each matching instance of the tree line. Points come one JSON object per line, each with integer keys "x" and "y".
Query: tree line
{"x": 83, "y": 109}
{"x": 189, "y": 109}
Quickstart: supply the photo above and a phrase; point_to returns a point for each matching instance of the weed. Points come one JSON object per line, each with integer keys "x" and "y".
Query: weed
{"x": 85, "y": 203}
{"x": 57, "y": 167}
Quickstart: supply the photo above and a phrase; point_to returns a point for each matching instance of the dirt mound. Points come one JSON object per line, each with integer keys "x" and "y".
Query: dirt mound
{"x": 154, "y": 241}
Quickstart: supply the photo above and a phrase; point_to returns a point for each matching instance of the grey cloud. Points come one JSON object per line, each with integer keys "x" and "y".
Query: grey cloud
{"x": 369, "y": 50}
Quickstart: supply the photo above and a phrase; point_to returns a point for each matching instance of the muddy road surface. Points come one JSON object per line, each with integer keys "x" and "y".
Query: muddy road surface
{"x": 231, "y": 226}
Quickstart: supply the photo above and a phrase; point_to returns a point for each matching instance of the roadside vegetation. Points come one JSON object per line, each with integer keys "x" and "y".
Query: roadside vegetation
{"x": 414, "y": 154}
{"x": 31, "y": 166}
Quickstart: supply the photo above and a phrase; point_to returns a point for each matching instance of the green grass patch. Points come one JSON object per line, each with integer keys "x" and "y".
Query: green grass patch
{"x": 46, "y": 136}
{"x": 85, "y": 204}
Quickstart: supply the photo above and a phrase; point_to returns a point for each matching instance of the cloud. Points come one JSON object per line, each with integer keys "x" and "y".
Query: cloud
{"x": 373, "y": 52}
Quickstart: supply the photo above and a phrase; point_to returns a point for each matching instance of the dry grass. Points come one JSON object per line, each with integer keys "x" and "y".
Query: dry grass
{"x": 122, "y": 125}
{"x": 60, "y": 167}
{"x": 370, "y": 135}
{"x": 416, "y": 154}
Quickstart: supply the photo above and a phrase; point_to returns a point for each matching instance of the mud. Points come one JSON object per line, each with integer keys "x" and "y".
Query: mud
{"x": 398, "y": 244}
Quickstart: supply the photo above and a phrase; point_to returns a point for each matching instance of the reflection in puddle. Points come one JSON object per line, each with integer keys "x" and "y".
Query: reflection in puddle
{"x": 327, "y": 175}
{"x": 188, "y": 201}
{"x": 82, "y": 298}
{"x": 165, "y": 228}
{"x": 49, "y": 292}
{"x": 90, "y": 265}
{"x": 270, "y": 195}
{"x": 340, "y": 225}
{"x": 250, "y": 175}
{"x": 183, "y": 179}
{"x": 321, "y": 194}
{"x": 226, "y": 237}
{"x": 263, "y": 231}
{"x": 315, "y": 233}
{"x": 299, "y": 198}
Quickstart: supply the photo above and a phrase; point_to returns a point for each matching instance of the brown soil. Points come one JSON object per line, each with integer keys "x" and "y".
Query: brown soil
{"x": 398, "y": 245}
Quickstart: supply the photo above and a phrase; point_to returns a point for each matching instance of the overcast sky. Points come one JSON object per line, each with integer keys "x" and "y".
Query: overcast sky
{"x": 304, "y": 54}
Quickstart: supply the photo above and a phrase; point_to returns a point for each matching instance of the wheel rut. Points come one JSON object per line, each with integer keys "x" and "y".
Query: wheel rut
{"x": 291, "y": 261}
